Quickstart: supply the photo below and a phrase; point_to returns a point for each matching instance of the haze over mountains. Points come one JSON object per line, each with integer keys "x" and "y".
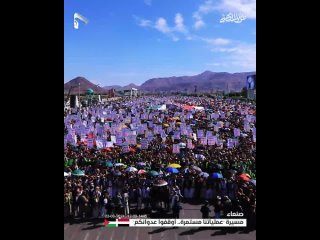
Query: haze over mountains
{"x": 118, "y": 87}
{"x": 204, "y": 82}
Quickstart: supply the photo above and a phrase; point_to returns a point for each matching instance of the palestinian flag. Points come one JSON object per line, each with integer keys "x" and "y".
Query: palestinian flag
{"x": 106, "y": 223}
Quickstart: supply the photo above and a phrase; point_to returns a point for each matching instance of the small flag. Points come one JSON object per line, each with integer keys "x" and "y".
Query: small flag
{"x": 106, "y": 223}
{"x": 123, "y": 222}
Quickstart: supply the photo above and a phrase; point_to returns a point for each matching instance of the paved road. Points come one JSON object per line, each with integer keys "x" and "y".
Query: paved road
{"x": 96, "y": 231}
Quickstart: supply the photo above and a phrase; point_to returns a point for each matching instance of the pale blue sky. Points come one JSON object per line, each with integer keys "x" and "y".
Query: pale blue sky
{"x": 131, "y": 41}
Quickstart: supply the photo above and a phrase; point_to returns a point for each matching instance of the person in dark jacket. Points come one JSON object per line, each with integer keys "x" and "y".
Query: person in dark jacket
{"x": 205, "y": 210}
{"x": 176, "y": 209}
{"x": 118, "y": 203}
{"x": 217, "y": 207}
{"x": 110, "y": 206}
{"x": 227, "y": 206}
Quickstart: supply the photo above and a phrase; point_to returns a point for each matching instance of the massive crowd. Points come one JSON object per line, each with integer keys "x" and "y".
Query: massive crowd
{"x": 152, "y": 153}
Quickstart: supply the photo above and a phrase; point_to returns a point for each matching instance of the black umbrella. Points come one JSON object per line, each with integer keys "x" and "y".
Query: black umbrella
{"x": 232, "y": 171}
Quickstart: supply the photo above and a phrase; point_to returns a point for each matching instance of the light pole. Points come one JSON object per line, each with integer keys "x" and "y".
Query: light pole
{"x": 79, "y": 102}
{"x": 97, "y": 85}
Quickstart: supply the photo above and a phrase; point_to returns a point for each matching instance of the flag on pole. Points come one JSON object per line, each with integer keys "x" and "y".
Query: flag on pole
{"x": 203, "y": 140}
{"x": 236, "y": 132}
{"x": 99, "y": 143}
{"x": 90, "y": 143}
{"x": 189, "y": 144}
{"x": 212, "y": 140}
{"x": 144, "y": 143}
{"x": 230, "y": 143}
{"x": 177, "y": 135}
{"x": 176, "y": 148}
{"x": 200, "y": 133}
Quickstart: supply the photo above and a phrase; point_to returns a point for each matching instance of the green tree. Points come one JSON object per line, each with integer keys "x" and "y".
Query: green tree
{"x": 244, "y": 92}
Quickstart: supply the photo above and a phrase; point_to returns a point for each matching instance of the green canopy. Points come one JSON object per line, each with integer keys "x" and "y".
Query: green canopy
{"x": 68, "y": 163}
{"x": 109, "y": 164}
{"x": 89, "y": 91}
{"x": 78, "y": 172}
{"x": 153, "y": 173}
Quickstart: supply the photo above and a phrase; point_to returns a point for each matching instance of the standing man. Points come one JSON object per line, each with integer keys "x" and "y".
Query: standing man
{"x": 217, "y": 207}
{"x": 205, "y": 210}
{"x": 126, "y": 203}
{"x": 176, "y": 209}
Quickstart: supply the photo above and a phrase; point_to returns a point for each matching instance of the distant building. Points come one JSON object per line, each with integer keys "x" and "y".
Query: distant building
{"x": 133, "y": 92}
{"x": 111, "y": 93}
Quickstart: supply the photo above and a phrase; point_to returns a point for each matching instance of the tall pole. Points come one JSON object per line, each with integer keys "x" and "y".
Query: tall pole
{"x": 97, "y": 85}
{"x": 79, "y": 96}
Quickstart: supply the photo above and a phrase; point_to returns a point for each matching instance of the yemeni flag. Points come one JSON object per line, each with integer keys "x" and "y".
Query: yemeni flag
{"x": 123, "y": 222}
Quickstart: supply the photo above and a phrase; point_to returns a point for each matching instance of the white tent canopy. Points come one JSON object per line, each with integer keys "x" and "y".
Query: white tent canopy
{"x": 198, "y": 108}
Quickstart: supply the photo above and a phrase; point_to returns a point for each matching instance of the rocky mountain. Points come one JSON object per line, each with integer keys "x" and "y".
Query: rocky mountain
{"x": 84, "y": 85}
{"x": 206, "y": 81}
{"x": 119, "y": 88}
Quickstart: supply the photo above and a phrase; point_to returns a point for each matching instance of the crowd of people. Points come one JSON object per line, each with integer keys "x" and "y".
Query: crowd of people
{"x": 151, "y": 154}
